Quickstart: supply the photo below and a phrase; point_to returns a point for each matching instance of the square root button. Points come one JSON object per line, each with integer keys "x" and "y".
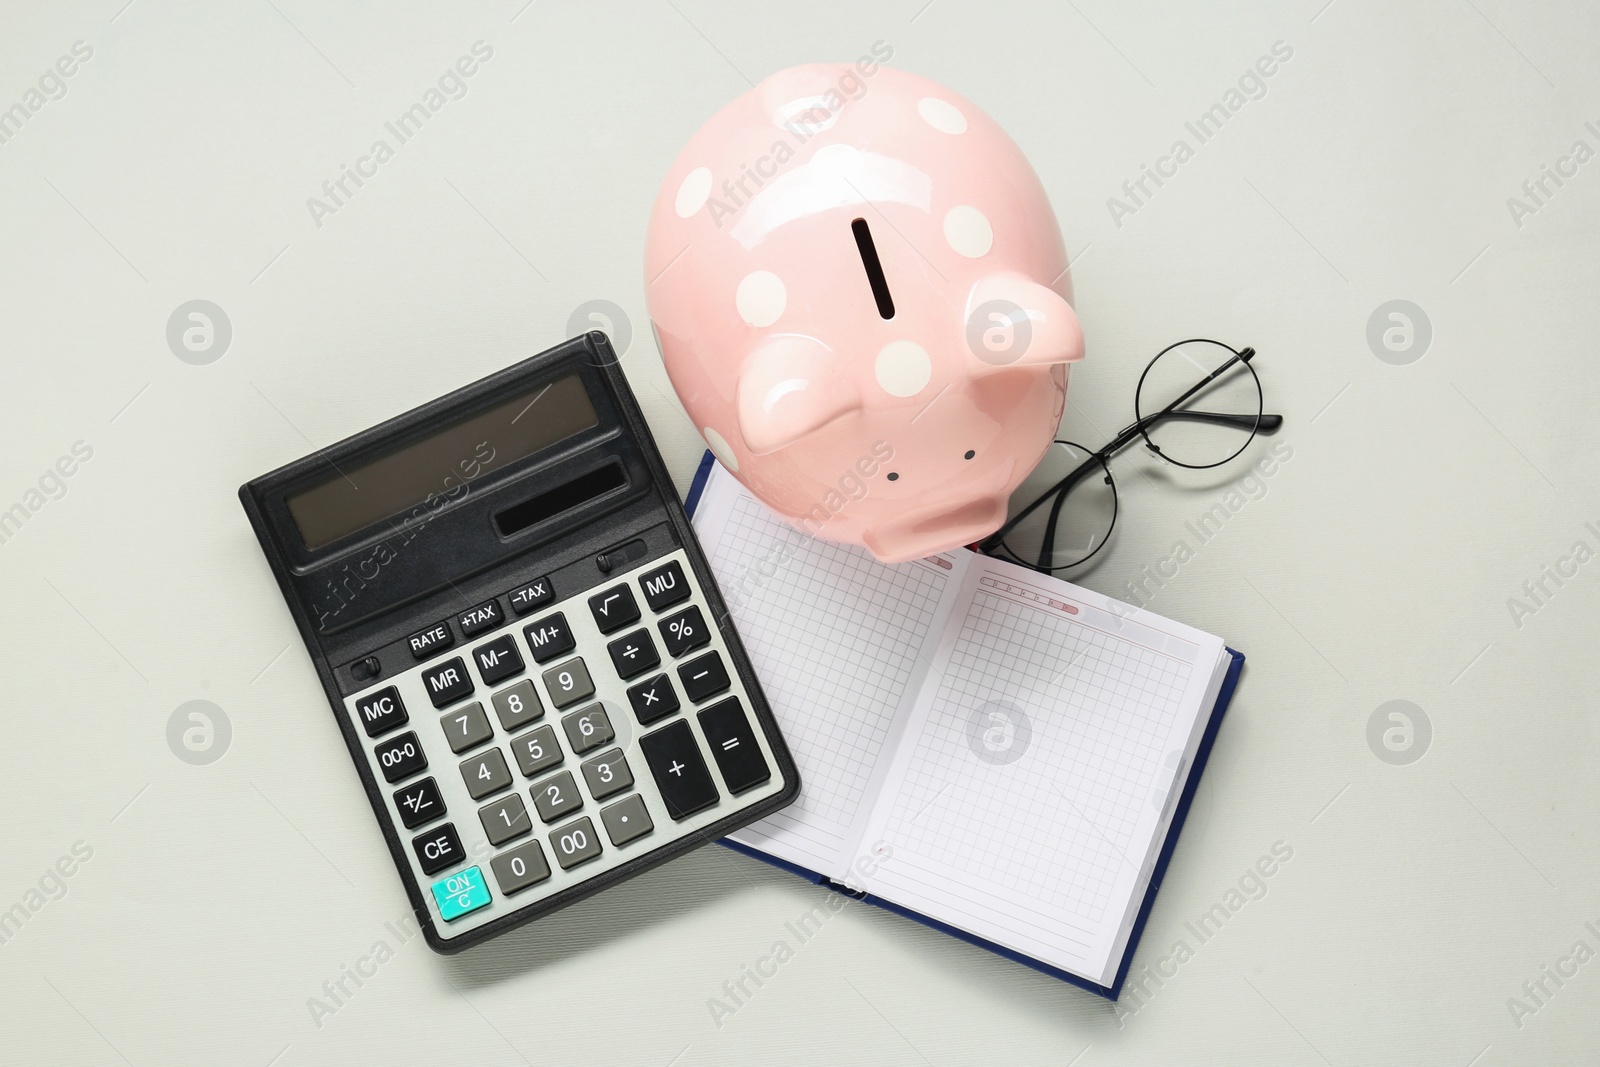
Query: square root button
{"x": 460, "y": 894}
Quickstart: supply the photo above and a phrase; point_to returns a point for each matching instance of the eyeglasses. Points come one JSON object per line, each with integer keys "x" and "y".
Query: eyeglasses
{"x": 1083, "y": 511}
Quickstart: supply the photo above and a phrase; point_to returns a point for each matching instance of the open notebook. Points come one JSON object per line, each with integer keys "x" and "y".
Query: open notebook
{"x": 996, "y": 753}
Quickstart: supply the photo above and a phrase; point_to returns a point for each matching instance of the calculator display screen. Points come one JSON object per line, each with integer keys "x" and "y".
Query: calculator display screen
{"x": 422, "y": 476}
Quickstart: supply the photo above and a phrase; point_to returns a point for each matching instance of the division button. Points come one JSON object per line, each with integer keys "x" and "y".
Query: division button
{"x": 381, "y": 712}
{"x": 419, "y": 803}
{"x": 653, "y": 699}
{"x": 703, "y": 677}
{"x": 626, "y": 820}
{"x": 529, "y": 595}
{"x": 518, "y": 706}
{"x": 435, "y": 638}
{"x": 664, "y": 586}
{"x": 575, "y": 843}
{"x": 607, "y": 774}
{"x": 684, "y": 632}
{"x": 400, "y": 757}
{"x": 486, "y": 774}
{"x": 460, "y": 894}
{"x": 549, "y": 637}
{"x": 439, "y": 848}
{"x": 498, "y": 660}
{"x": 568, "y": 682}
{"x": 485, "y": 616}
{"x": 588, "y": 729}
{"x": 505, "y": 820}
{"x": 448, "y": 682}
{"x": 466, "y": 727}
{"x": 536, "y": 751}
{"x": 633, "y": 654}
{"x": 733, "y": 746}
{"x": 520, "y": 868}
{"x": 614, "y": 608}
{"x": 556, "y": 796}
{"x": 679, "y": 770}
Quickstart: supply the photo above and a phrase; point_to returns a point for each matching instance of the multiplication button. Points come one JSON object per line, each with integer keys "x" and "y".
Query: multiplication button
{"x": 684, "y": 632}
{"x": 653, "y": 699}
{"x": 400, "y": 757}
{"x": 448, "y": 682}
{"x": 381, "y": 712}
{"x": 664, "y": 586}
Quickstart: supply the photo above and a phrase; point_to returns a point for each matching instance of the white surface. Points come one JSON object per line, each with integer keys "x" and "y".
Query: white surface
{"x": 1375, "y": 564}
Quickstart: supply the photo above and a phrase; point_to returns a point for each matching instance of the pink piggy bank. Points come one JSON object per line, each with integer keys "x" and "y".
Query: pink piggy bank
{"x": 861, "y": 296}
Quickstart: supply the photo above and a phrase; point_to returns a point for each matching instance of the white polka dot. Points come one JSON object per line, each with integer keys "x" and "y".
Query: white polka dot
{"x": 720, "y": 449}
{"x": 968, "y": 232}
{"x": 693, "y": 192}
{"x": 903, "y": 368}
{"x": 761, "y": 298}
{"x": 941, "y": 115}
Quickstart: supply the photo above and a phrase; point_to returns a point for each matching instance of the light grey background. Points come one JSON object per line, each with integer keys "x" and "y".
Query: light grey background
{"x": 1377, "y": 566}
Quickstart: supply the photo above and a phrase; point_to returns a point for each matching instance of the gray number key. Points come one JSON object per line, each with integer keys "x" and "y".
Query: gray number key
{"x": 505, "y": 820}
{"x": 574, "y": 843}
{"x": 520, "y": 868}
{"x": 607, "y": 773}
{"x": 588, "y": 729}
{"x": 537, "y": 750}
{"x": 485, "y": 774}
{"x": 518, "y": 706}
{"x": 555, "y": 797}
{"x": 466, "y": 727}
{"x": 626, "y": 820}
{"x": 568, "y": 682}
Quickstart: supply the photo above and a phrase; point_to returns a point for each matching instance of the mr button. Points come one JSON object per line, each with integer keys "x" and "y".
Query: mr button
{"x": 448, "y": 682}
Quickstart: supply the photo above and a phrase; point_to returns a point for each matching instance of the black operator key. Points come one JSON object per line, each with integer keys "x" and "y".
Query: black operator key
{"x": 679, "y": 769}
{"x": 733, "y": 744}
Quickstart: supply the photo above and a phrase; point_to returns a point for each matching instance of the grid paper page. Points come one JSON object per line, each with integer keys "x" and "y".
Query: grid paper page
{"x": 1029, "y": 803}
{"x": 835, "y": 637}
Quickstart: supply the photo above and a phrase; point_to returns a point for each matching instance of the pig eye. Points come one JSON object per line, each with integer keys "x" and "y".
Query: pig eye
{"x": 894, "y": 476}
{"x": 869, "y": 260}
{"x": 970, "y": 454}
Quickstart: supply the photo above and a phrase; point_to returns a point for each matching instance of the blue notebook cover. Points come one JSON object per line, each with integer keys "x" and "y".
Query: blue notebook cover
{"x": 1230, "y": 682}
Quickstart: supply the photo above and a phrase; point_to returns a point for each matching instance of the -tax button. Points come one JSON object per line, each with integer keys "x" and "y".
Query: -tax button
{"x": 460, "y": 894}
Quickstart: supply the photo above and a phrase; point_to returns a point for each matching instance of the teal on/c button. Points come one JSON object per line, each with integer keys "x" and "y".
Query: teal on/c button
{"x": 460, "y": 893}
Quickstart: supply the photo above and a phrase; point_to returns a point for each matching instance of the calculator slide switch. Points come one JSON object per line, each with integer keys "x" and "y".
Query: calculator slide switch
{"x": 448, "y": 682}
{"x": 381, "y": 712}
{"x": 460, "y": 894}
{"x": 733, "y": 745}
{"x": 679, "y": 770}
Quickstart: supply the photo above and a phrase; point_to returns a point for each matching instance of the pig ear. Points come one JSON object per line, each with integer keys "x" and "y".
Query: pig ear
{"x": 1013, "y": 321}
{"x": 790, "y": 387}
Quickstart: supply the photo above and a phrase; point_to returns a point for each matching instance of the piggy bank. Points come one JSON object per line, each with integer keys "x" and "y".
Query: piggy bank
{"x": 861, "y": 297}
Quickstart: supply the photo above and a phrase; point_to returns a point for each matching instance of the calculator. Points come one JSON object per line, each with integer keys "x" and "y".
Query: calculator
{"x": 523, "y": 646}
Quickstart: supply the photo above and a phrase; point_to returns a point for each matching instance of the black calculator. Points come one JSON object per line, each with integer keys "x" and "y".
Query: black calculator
{"x": 523, "y": 645}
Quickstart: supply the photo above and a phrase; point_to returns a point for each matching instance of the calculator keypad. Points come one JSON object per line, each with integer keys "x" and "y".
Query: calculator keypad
{"x": 542, "y": 802}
